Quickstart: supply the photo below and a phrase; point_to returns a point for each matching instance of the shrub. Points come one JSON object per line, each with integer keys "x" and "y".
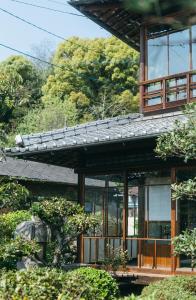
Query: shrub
{"x": 53, "y": 284}
{"x": 89, "y": 284}
{"x": 185, "y": 244}
{"x": 9, "y": 221}
{"x": 173, "y": 288}
{"x": 116, "y": 258}
{"x": 13, "y": 196}
{"x": 13, "y": 251}
{"x": 39, "y": 283}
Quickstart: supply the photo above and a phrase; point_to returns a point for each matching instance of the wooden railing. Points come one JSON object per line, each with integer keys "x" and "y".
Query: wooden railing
{"x": 143, "y": 252}
{"x": 168, "y": 92}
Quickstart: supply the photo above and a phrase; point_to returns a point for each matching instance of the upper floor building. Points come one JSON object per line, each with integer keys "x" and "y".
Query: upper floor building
{"x": 166, "y": 38}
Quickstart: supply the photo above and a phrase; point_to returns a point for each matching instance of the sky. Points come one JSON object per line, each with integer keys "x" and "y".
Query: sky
{"x": 23, "y": 37}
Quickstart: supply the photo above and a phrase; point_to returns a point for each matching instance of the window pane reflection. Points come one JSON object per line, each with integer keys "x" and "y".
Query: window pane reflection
{"x": 170, "y": 54}
{"x": 157, "y": 57}
{"x": 194, "y": 46}
{"x": 179, "y": 52}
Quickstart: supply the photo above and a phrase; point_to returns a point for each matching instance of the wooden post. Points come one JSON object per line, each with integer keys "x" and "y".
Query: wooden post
{"x": 125, "y": 210}
{"x": 142, "y": 65}
{"x": 81, "y": 200}
{"x": 173, "y": 223}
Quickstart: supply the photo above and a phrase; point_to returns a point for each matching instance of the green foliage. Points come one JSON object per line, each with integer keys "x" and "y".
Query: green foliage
{"x": 159, "y": 8}
{"x": 98, "y": 79}
{"x": 13, "y": 251}
{"x": 117, "y": 257}
{"x": 9, "y": 221}
{"x": 33, "y": 284}
{"x": 51, "y": 115}
{"x": 180, "y": 142}
{"x": 20, "y": 88}
{"x": 173, "y": 288}
{"x": 52, "y": 284}
{"x": 66, "y": 221}
{"x": 13, "y": 195}
{"x": 184, "y": 190}
{"x": 185, "y": 244}
{"x": 89, "y": 284}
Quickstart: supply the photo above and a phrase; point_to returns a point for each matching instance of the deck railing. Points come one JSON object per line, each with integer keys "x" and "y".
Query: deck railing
{"x": 143, "y": 252}
{"x": 168, "y": 92}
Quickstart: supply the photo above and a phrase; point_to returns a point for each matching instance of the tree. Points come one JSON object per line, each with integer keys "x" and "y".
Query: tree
{"x": 97, "y": 78}
{"x": 13, "y": 195}
{"x": 20, "y": 89}
{"x": 53, "y": 115}
{"x": 185, "y": 244}
{"x": 66, "y": 221}
{"x": 181, "y": 143}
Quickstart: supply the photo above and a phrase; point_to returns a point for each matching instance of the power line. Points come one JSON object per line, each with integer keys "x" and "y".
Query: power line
{"x": 47, "y": 31}
{"x": 48, "y": 8}
{"x": 31, "y": 56}
{"x": 34, "y": 25}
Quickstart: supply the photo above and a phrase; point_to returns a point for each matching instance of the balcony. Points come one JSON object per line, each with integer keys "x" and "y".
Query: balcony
{"x": 168, "y": 92}
{"x": 148, "y": 255}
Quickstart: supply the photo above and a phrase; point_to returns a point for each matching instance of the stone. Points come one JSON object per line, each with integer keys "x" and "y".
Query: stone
{"x": 28, "y": 263}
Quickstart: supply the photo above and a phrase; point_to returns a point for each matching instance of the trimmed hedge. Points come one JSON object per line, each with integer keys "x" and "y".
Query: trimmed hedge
{"x": 53, "y": 284}
{"x": 173, "y": 288}
{"x": 90, "y": 284}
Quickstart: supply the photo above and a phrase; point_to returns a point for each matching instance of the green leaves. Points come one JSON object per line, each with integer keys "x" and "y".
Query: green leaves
{"x": 13, "y": 250}
{"x": 185, "y": 244}
{"x": 94, "y": 75}
{"x": 66, "y": 221}
{"x": 184, "y": 190}
{"x": 181, "y": 142}
{"x": 172, "y": 288}
{"x": 13, "y": 196}
{"x": 9, "y": 221}
{"x": 53, "y": 284}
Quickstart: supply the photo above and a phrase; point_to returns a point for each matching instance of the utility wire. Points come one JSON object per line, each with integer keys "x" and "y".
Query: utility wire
{"x": 34, "y": 25}
{"x": 31, "y": 56}
{"x": 48, "y": 8}
{"x": 45, "y": 30}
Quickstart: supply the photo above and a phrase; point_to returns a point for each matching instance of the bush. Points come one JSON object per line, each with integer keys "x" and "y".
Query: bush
{"x": 173, "y": 288}
{"x": 9, "y": 221}
{"x": 89, "y": 284}
{"x": 53, "y": 284}
{"x": 13, "y": 251}
{"x": 13, "y": 196}
{"x": 39, "y": 283}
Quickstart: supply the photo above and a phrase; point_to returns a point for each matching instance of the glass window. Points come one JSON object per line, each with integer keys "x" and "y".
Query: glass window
{"x": 170, "y": 54}
{"x": 194, "y": 46}
{"x": 179, "y": 52}
{"x": 157, "y": 57}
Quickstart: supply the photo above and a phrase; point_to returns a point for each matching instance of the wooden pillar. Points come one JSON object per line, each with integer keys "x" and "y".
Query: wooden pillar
{"x": 125, "y": 210}
{"x": 142, "y": 64}
{"x": 173, "y": 223}
{"x": 81, "y": 200}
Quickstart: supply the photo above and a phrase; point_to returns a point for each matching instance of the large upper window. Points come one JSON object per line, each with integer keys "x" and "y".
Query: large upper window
{"x": 171, "y": 54}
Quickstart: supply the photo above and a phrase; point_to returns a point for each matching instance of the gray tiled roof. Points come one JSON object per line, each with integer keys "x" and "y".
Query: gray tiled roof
{"x": 130, "y": 127}
{"x": 25, "y": 169}
{"x": 29, "y": 170}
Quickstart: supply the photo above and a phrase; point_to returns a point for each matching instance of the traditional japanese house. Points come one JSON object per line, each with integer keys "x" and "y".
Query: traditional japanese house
{"x": 134, "y": 201}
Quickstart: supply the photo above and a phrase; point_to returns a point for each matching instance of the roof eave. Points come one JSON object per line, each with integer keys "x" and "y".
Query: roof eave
{"x": 79, "y": 146}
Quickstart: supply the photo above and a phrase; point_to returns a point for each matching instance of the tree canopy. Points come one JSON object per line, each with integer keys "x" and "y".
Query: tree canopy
{"x": 93, "y": 79}
{"x": 96, "y": 78}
